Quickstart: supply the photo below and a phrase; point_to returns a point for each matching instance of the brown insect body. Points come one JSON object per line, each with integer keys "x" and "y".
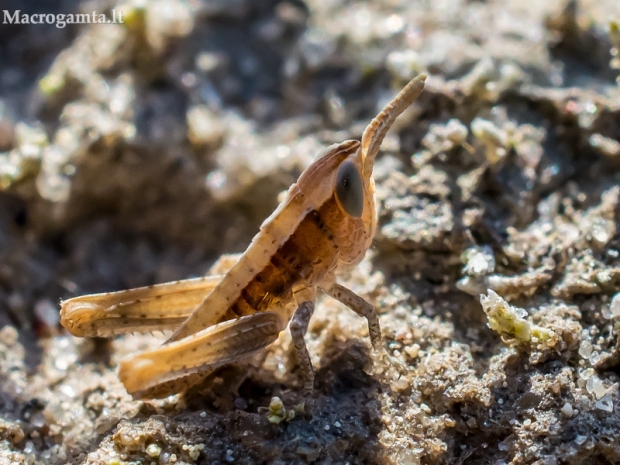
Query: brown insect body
{"x": 299, "y": 245}
{"x": 324, "y": 225}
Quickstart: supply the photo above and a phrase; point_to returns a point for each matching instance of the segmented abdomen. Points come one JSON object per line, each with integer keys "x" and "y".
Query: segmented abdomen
{"x": 305, "y": 257}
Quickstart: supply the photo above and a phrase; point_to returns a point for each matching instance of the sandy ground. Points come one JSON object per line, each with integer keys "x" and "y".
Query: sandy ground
{"x": 138, "y": 153}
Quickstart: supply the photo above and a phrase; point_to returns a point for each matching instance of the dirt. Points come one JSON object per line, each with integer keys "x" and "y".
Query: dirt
{"x": 138, "y": 153}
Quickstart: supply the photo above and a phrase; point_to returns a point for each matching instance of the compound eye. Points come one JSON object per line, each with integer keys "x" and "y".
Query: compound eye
{"x": 350, "y": 189}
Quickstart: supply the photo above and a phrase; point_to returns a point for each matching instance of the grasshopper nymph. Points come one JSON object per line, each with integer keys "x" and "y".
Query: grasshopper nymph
{"x": 325, "y": 224}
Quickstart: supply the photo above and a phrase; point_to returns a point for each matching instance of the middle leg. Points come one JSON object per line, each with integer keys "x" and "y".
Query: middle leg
{"x": 305, "y": 299}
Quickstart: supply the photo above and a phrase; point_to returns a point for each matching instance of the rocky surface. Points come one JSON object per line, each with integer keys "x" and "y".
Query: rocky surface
{"x": 137, "y": 153}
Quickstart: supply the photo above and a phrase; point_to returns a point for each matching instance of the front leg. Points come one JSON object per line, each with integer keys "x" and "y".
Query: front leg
{"x": 362, "y": 308}
{"x": 366, "y": 310}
